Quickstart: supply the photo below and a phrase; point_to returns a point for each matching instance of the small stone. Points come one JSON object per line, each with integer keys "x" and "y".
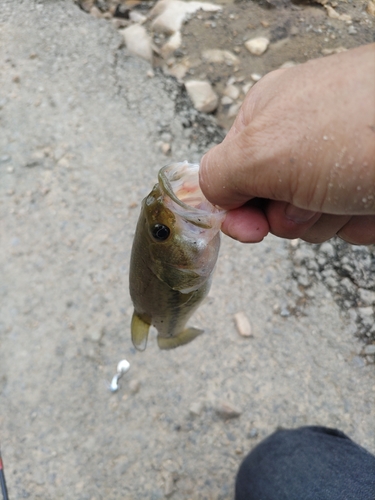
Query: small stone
{"x": 367, "y": 297}
{"x": 226, "y": 410}
{"x": 196, "y": 408}
{"x": 203, "y": 96}
{"x": 247, "y": 87}
{"x": 243, "y": 324}
{"x": 219, "y": 56}
{"x": 150, "y": 73}
{"x": 226, "y": 101}
{"x": 327, "y": 249}
{"x": 255, "y": 77}
{"x": 170, "y": 14}
{"x": 352, "y": 30}
{"x": 337, "y": 50}
{"x": 370, "y": 9}
{"x": 134, "y": 386}
{"x": 335, "y": 15}
{"x": 257, "y": 46}
{"x": 369, "y": 349}
{"x": 138, "y": 41}
{"x": 288, "y": 64}
{"x": 232, "y": 91}
{"x": 169, "y": 484}
{"x": 137, "y": 17}
{"x": 165, "y": 148}
{"x": 173, "y": 44}
{"x": 234, "y": 109}
{"x": 94, "y": 11}
{"x": 253, "y": 433}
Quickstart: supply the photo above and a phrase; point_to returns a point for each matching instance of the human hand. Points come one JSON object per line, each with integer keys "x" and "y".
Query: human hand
{"x": 299, "y": 160}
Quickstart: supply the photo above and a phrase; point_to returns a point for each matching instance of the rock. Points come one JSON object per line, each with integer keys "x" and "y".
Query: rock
{"x": 219, "y": 56}
{"x": 367, "y": 297}
{"x": 196, "y": 408}
{"x": 226, "y": 410}
{"x": 179, "y": 70}
{"x": 170, "y": 14}
{"x": 234, "y": 109}
{"x": 247, "y": 87}
{"x": 243, "y": 324}
{"x": 171, "y": 45}
{"x": 257, "y": 46}
{"x": 138, "y": 41}
{"x": 337, "y": 50}
{"x": 137, "y": 17}
{"x": 134, "y": 386}
{"x": 335, "y": 15}
{"x": 288, "y": 64}
{"x": 369, "y": 349}
{"x": 169, "y": 484}
{"x": 370, "y": 9}
{"x": 226, "y": 101}
{"x": 232, "y": 91}
{"x": 327, "y": 249}
{"x": 203, "y": 96}
{"x": 255, "y": 77}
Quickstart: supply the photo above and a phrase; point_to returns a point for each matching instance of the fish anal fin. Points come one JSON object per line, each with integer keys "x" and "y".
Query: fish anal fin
{"x": 182, "y": 338}
{"x": 139, "y": 330}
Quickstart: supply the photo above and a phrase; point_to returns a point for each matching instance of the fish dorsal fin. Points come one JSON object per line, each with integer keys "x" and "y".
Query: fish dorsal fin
{"x": 139, "y": 331}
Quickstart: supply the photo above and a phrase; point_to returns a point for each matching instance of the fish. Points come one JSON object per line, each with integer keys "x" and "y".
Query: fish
{"x": 174, "y": 252}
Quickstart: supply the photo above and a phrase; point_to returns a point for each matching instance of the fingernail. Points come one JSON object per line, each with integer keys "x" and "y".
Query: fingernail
{"x": 298, "y": 215}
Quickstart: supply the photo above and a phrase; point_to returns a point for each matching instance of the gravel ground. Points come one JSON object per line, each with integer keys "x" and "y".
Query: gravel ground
{"x": 81, "y": 128}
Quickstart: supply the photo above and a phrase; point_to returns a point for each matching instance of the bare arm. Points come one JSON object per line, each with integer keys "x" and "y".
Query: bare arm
{"x": 304, "y": 144}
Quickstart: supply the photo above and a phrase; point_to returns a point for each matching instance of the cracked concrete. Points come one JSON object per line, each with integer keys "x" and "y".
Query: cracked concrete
{"x": 76, "y": 158}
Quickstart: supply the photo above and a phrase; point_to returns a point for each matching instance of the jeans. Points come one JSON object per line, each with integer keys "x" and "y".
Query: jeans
{"x": 309, "y": 463}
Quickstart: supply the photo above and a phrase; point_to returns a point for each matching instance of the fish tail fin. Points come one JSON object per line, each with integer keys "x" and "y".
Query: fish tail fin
{"x": 139, "y": 331}
{"x": 182, "y": 338}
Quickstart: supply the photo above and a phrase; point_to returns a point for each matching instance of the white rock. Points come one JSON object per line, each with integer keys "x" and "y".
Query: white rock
{"x": 137, "y": 17}
{"x": 234, "y": 109}
{"x": 170, "y": 14}
{"x": 226, "y": 410}
{"x": 255, "y": 77}
{"x": 232, "y": 91}
{"x": 226, "y": 101}
{"x": 179, "y": 70}
{"x": 203, "y": 96}
{"x": 247, "y": 87}
{"x": 171, "y": 45}
{"x": 219, "y": 56}
{"x": 137, "y": 41}
{"x": 257, "y": 46}
{"x": 288, "y": 64}
{"x": 335, "y": 15}
{"x": 243, "y": 324}
{"x": 337, "y": 50}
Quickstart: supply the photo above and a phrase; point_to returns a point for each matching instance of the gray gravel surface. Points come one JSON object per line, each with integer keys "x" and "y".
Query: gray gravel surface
{"x": 81, "y": 124}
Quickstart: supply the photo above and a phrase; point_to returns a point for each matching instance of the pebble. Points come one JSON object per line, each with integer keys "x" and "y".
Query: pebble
{"x": 335, "y": 15}
{"x": 337, "y": 50}
{"x": 137, "y": 17}
{"x": 203, "y": 96}
{"x": 169, "y": 484}
{"x": 247, "y": 87}
{"x": 288, "y": 64}
{"x": 371, "y": 8}
{"x": 232, "y": 91}
{"x": 257, "y": 46}
{"x": 367, "y": 297}
{"x": 243, "y": 324}
{"x": 226, "y": 410}
{"x": 196, "y": 408}
{"x": 219, "y": 56}
{"x": 134, "y": 386}
{"x": 255, "y": 77}
{"x": 170, "y": 14}
{"x": 226, "y": 101}
{"x": 171, "y": 45}
{"x": 138, "y": 41}
{"x": 234, "y": 109}
{"x": 369, "y": 349}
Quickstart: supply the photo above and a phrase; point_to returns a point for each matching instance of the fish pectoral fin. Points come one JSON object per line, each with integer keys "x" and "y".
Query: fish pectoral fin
{"x": 182, "y": 338}
{"x": 139, "y": 331}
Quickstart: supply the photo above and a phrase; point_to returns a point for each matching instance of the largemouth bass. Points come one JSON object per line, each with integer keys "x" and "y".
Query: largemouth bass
{"x": 174, "y": 252}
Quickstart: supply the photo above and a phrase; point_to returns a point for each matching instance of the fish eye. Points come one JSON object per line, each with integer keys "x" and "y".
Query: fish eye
{"x": 160, "y": 232}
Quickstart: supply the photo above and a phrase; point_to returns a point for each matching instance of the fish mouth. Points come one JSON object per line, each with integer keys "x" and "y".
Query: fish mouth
{"x": 180, "y": 183}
